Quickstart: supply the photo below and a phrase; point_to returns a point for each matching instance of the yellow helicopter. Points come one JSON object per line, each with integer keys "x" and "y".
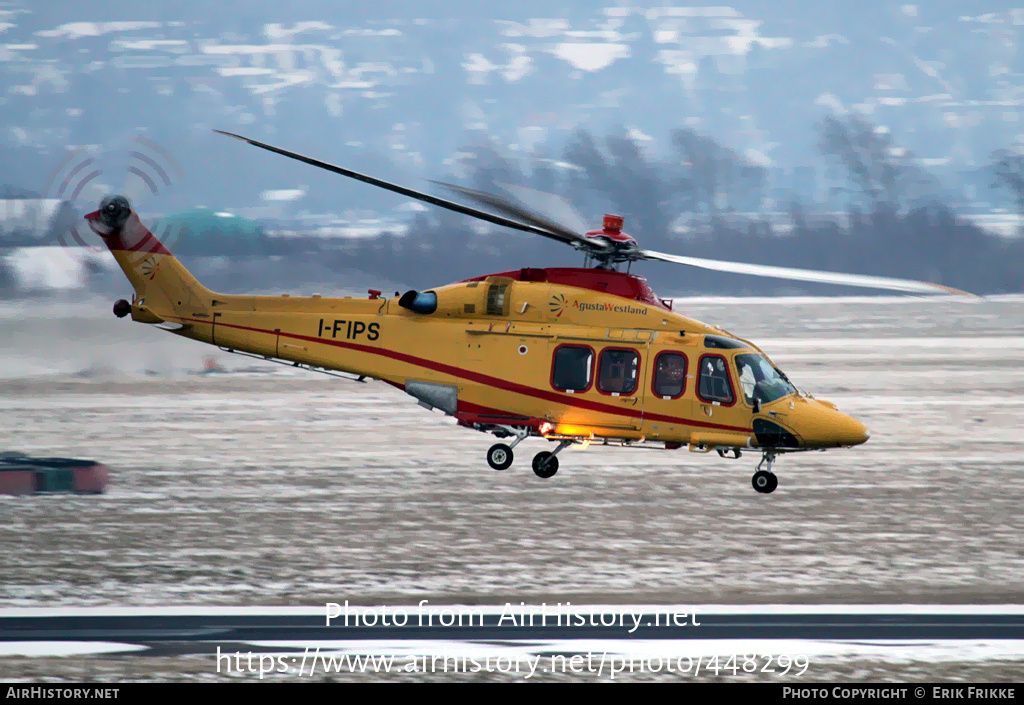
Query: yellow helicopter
{"x": 576, "y": 356}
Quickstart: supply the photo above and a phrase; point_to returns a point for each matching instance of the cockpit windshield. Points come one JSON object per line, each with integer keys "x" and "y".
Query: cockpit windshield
{"x": 760, "y": 380}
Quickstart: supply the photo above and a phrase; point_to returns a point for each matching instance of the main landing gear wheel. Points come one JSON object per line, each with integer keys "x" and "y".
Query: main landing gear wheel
{"x": 764, "y": 482}
{"x": 499, "y": 456}
{"x": 545, "y": 464}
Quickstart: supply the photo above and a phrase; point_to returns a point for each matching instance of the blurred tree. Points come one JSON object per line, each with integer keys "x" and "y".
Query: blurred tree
{"x": 489, "y": 168}
{"x": 715, "y": 178}
{"x": 7, "y": 280}
{"x": 884, "y": 174}
{"x": 620, "y": 178}
{"x": 1008, "y": 168}
{"x": 589, "y": 179}
{"x": 638, "y": 188}
{"x": 703, "y": 161}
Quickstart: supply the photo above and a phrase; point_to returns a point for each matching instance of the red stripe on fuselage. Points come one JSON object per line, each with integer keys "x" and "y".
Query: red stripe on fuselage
{"x": 566, "y": 399}
{"x": 471, "y": 408}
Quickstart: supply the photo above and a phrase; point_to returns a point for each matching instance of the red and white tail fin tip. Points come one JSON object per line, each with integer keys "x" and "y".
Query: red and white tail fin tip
{"x": 121, "y": 229}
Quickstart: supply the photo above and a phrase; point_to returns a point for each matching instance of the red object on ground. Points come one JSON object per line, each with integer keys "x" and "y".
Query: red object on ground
{"x": 21, "y": 475}
{"x": 91, "y": 479}
{"x": 17, "y": 482}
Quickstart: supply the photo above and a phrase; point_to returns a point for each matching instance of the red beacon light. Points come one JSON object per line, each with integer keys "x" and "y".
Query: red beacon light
{"x": 613, "y": 222}
{"x": 612, "y": 229}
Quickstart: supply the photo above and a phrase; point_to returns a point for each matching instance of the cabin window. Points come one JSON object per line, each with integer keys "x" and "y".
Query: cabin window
{"x": 669, "y": 375}
{"x": 572, "y": 368}
{"x": 618, "y": 371}
{"x": 714, "y": 384}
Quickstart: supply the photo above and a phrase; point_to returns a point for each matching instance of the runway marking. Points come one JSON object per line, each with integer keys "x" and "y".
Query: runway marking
{"x": 65, "y": 648}
{"x": 437, "y": 608}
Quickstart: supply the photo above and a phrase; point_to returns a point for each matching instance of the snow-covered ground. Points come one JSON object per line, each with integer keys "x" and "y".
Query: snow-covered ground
{"x": 285, "y": 488}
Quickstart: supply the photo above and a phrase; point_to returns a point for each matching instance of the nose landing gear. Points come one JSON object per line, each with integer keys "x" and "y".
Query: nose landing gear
{"x": 765, "y": 481}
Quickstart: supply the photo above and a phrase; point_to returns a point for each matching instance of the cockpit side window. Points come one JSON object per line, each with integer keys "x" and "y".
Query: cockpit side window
{"x": 669, "y": 375}
{"x": 714, "y": 384}
{"x": 760, "y": 380}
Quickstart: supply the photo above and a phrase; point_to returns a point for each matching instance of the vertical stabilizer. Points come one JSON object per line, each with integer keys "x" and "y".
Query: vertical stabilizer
{"x": 163, "y": 287}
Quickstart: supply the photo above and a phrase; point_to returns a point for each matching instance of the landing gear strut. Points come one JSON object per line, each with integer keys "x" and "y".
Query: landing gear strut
{"x": 765, "y": 481}
{"x": 545, "y": 464}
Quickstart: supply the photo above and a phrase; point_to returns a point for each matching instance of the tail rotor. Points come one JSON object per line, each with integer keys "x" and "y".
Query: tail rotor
{"x": 145, "y": 171}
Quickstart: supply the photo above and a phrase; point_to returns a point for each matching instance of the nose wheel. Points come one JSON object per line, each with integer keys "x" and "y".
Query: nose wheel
{"x": 765, "y": 481}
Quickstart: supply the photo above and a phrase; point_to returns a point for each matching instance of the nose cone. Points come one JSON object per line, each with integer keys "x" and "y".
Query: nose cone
{"x": 850, "y": 432}
{"x": 820, "y": 425}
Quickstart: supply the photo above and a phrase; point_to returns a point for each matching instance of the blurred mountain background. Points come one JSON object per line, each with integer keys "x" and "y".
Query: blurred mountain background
{"x": 878, "y": 137}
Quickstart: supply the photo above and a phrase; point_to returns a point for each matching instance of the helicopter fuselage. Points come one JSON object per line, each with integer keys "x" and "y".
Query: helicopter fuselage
{"x": 488, "y": 354}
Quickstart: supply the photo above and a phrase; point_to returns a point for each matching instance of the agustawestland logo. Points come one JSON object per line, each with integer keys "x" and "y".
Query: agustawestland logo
{"x": 559, "y": 304}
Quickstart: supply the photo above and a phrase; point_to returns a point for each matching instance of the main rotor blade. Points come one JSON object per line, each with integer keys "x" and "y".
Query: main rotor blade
{"x": 521, "y": 213}
{"x": 807, "y": 275}
{"x": 418, "y": 195}
{"x": 553, "y": 207}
